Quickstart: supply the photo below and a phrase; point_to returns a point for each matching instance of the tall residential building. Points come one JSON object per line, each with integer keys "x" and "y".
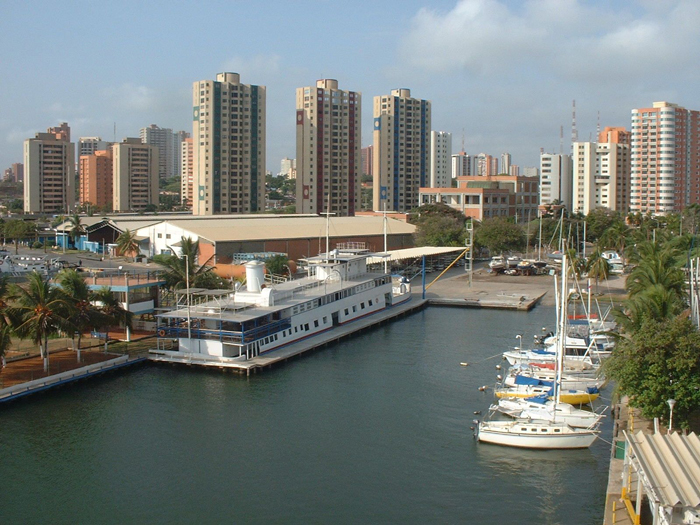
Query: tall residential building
{"x": 186, "y": 171}
{"x": 367, "y": 160}
{"x": 89, "y": 145}
{"x": 486, "y": 165}
{"x": 531, "y": 171}
{"x": 440, "y": 159}
{"x": 287, "y": 166}
{"x": 505, "y": 163}
{"x": 49, "y": 163}
{"x": 18, "y": 172}
{"x": 665, "y": 173}
{"x": 555, "y": 179}
{"x": 228, "y": 133}
{"x": 601, "y": 173}
{"x": 514, "y": 170}
{"x": 462, "y": 165}
{"x": 329, "y": 138}
{"x": 135, "y": 172}
{"x": 401, "y": 150}
{"x": 168, "y": 146}
{"x": 96, "y": 179}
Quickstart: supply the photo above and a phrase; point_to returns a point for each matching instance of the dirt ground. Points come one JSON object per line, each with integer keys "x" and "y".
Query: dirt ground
{"x": 24, "y": 370}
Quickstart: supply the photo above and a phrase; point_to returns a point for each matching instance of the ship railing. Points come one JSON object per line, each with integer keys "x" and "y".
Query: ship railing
{"x": 225, "y": 336}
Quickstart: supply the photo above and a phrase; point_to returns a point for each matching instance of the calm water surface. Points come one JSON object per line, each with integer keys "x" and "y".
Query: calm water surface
{"x": 372, "y": 430}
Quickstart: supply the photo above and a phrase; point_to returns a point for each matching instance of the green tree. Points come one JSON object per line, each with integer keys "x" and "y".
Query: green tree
{"x": 76, "y": 228}
{"x": 661, "y": 362}
{"x": 84, "y": 314}
{"x": 113, "y": 311}
{"x": 127, "y": 243}
{"x": 598, "y": 221}
{"x": 19, "y": 230}
{"x": 499, "y": 235}
{"x": 277, "y": 265}
{"x": 38, "y": 311}
{"x": 597, "y": 267}
{"x": 177, "y": 269}
{"x": 438, "y": 225}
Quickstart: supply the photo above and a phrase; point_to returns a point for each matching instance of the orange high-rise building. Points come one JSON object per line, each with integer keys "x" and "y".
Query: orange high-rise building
{"x": 96, "y": 175}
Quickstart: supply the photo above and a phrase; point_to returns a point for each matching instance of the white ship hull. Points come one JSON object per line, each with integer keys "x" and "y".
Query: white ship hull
{"x": 544, "y": 435}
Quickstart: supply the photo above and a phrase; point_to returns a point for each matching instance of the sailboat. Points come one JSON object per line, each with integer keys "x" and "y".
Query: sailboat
{"x": 541, "y": 434}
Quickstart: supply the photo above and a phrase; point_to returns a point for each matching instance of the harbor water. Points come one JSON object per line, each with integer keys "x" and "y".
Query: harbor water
{"x": 375, "y": 429}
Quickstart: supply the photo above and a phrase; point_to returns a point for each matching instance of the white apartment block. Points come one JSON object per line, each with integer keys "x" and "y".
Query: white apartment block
{"x": 49, "y": 172}
{"x": 228, "y": 132}
{"x": 555, "y": 179}
{"x": 440, "y": 159}
{"x": 89, "y": 145}
{"x": 329, "y": 139}
{"x": 401, "y": 150}
{"x": 601, "y": 176}
{"x": 287, "y": 165}
{"x": 135, "y": 172}
{"x": 168, "y": 149}
{"x": 505, "y": 163}
{"x": 463, "y": 165}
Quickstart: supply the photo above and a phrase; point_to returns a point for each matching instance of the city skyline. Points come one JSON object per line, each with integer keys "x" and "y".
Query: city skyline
{"x": 504, "y": 73}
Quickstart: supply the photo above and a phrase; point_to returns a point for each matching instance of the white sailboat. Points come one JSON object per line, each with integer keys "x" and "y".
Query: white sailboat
{"x": 541, "y": 434}
{"x": 543, "y": 409}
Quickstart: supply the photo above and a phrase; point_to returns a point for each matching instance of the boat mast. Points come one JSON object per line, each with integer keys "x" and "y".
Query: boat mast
{"x": 386, "y": 254}
{"x": 561, "y": 340}
{"x": 539, "y": 249}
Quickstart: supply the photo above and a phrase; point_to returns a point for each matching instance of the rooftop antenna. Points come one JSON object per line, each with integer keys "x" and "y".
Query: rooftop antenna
{"x": 597, "y": 129}
{"x": 115, "y": 132}
{"x": 463, "y": 140}
{"x": 574, "y": 131}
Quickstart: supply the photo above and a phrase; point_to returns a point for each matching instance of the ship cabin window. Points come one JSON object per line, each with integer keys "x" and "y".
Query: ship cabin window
{"x": 369, "y": 302}
{"x": 325, "y": 319}
{"x": 316, "y": 323}
{"x": 557, "y": 430}
{"x": 306, "y": 327}
{"x": 354, "y": 308}
{"x": 296, "y": 329}
{"x": 347, "y": 312}
{"x": 362, "y": 306}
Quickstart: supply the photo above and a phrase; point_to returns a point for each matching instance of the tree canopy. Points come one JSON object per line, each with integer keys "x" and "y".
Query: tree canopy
{"x": 500, "y": 235}
{"x": 438, "y": 225}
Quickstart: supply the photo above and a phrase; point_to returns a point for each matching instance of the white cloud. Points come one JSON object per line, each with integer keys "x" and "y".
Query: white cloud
{"x": 130, "y": 97}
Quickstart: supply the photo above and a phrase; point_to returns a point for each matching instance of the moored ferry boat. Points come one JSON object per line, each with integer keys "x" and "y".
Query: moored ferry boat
{"x": 231, "y": 327}
{"x": 22, "y": 264}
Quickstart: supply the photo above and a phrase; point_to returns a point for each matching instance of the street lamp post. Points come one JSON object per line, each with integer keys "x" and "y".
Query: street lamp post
{"x": 671, "y": 404}
{"x": 187, "y": 288}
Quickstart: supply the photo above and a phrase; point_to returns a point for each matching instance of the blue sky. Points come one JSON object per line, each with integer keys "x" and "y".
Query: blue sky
{"x": 502, "y": 72}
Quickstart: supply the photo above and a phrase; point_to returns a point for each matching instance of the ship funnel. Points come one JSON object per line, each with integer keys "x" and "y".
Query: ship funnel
{"x": 255, "y": 275}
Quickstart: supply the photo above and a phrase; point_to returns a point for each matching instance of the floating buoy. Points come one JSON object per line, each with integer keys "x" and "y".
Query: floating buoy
{"x": 482, "y": 388}
{"x": 499, "y": 377}
{"x": 498, "y": 367}
{"x": 477, "y": 412}
{"x": 464, "y": 364}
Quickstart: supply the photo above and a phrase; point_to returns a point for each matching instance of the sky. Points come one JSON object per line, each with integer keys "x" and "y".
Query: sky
{"x": 501, "y": 75}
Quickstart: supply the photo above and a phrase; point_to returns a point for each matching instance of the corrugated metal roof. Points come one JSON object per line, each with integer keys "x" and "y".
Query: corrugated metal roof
{"x": 413, "y": 253}
{"x": 671, "y": 464}
{"x": 291, "y": 227}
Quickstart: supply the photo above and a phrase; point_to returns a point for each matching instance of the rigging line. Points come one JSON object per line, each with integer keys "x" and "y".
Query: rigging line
{"x": 486, "y": 359}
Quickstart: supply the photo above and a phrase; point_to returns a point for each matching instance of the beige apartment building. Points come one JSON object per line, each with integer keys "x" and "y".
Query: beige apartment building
{"x": 401, "y": 150}
{"x": 228, "y": 132}
{"x": 665, "y": 172}
{"x": 329, "y": 139}
{"x": 135, "y": 172}
{"x": 96, "y": 178}
{"x": 187, "y": 171}
{"x": 49, "y": 172}
{"x": 601, "y": 173}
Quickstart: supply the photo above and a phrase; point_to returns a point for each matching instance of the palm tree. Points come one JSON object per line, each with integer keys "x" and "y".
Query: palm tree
{"x": 656, "y": 271}
{"x": 126, "y": 243}
{"x": 77, "y": 228}
{"x": 112, "y": 310}
{"x": 84, "y": 314}
{"x": 655, "y": 303}
{"x": 40, "y": 310}
{"x": 5, "y": 343}
{"x": 597, "y": 267}
{"x": 180, "y": 269}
